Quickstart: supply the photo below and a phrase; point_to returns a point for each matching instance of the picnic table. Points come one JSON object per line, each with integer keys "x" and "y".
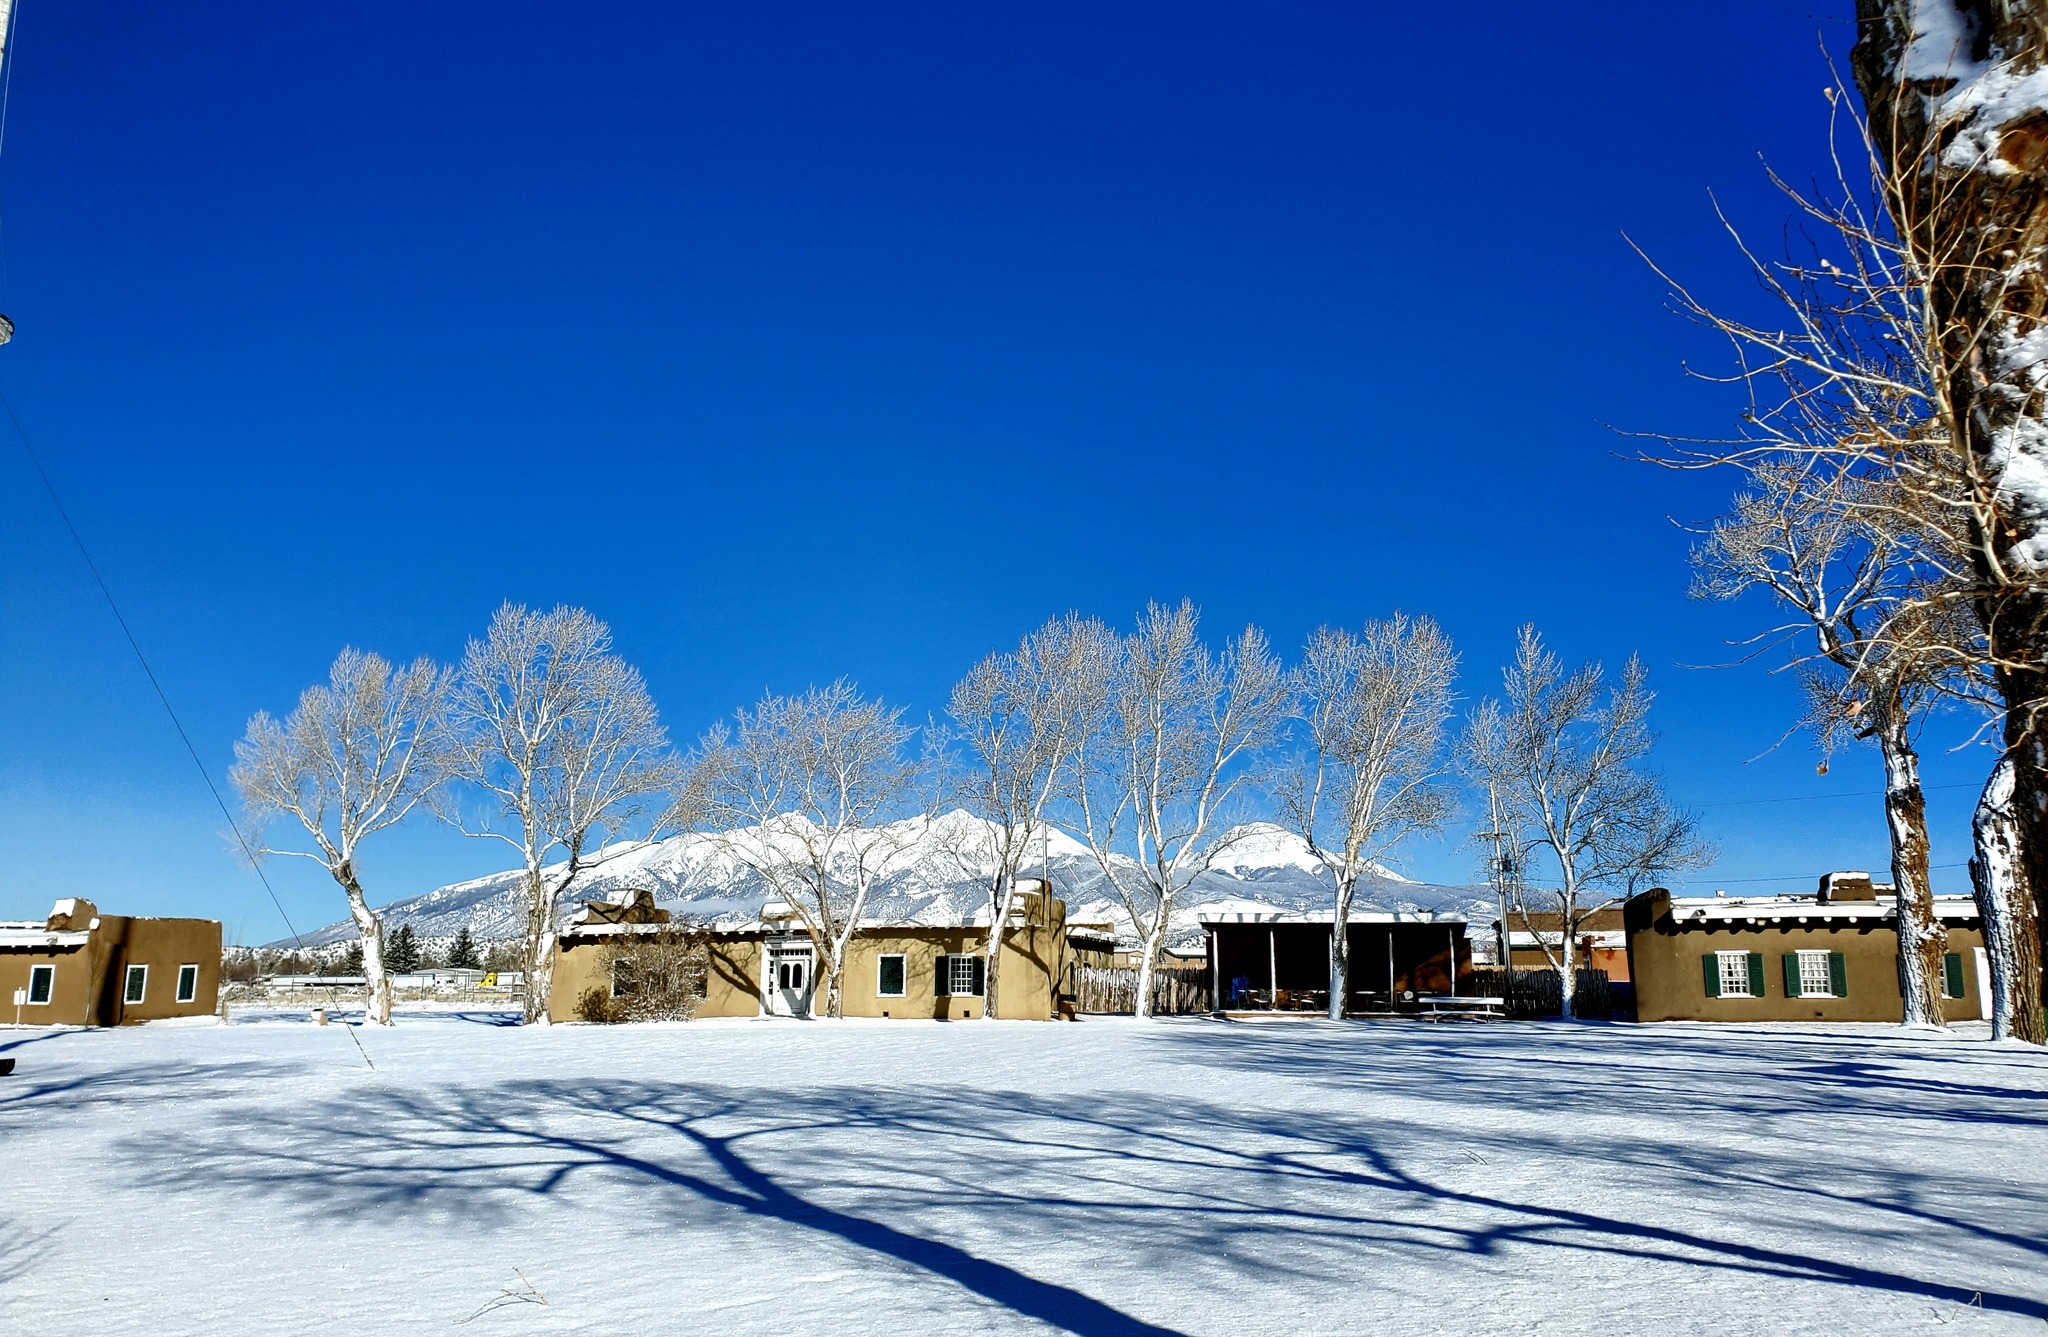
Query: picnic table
{"x": 1453, "y": 1007}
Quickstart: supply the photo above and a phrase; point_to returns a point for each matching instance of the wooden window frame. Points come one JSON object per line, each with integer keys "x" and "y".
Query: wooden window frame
{"x": 188, "y": 982}
{"x": 130, "y": 995}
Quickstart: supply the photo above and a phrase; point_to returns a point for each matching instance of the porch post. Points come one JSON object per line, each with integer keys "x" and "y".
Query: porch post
{"x": 1272, "y": 967}
{"x": 1391, "y": 990}
{"x": 1215, "y": 976}
{"x": 1452, "y": 935}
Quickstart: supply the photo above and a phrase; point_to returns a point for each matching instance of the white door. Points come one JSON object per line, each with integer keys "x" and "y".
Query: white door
{"x": 789, "y": 981}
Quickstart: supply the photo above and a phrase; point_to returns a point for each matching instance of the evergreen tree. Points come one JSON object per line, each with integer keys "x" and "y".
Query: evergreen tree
{"x": 462, "y": 953}
{"x": 403, "y": 955}
{"x": 352, "y": 960}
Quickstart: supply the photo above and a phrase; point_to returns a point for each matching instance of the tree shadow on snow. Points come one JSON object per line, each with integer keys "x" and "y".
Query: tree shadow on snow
{"x": 1320, "y": 1199}
{"x": 1599, "y": 1068}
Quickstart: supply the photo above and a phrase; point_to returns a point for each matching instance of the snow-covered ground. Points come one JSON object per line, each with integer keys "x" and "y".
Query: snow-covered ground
{"x": 1107, "y": 1177}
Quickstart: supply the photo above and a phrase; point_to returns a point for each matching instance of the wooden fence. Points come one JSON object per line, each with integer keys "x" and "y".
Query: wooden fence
{"x": 1114, "y": 989}
{"x": 1535, "y": 993}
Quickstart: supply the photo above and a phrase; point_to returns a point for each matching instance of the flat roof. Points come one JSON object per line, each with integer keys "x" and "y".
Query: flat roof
{"x": 1215, "y": 918}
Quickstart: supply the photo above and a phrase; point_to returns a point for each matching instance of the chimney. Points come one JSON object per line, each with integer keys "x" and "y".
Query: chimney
{"x": 1846, "y": 886}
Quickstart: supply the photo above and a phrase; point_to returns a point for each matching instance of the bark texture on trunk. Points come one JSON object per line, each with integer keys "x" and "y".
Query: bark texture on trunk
{"x": 2004, "y": 903}
{"x": 1963, "y": 137}
{"x": 1340, "y": 951}
{"x": 540, "y": 917}
{"x": 1567, "y": 966}
{"x": 1922, "y": 940}
{"x": 998, "y": 918}
{"x": 1148, "y": 959}
{"x": 377, "y": 999}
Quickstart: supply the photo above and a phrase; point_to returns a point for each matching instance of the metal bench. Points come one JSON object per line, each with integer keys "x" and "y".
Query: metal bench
{"x": 1449, "y": 1007}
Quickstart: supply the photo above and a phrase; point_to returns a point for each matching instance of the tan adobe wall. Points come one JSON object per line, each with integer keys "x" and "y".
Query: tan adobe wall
{"x": 72, "y": 988}
{"x": 732, "y": 987}
{"x": 164, "y": 946}
{"x": 1670, "y": 978}
{"x": 88, "y": 988}
{"x": 1031, "y": 968}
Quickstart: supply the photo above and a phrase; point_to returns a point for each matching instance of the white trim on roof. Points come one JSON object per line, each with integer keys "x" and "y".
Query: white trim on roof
{"x": 37, "y": 935}
{"x": 1779, "y": 909}
{"x": 1272, "y": 916}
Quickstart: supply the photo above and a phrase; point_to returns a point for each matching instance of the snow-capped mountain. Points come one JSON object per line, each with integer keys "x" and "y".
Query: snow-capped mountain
{"x": 937, "y": 878}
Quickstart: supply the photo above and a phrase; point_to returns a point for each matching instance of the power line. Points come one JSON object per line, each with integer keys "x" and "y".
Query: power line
{"x": 248, "y": 850}
{"x": 1811, "y": 798}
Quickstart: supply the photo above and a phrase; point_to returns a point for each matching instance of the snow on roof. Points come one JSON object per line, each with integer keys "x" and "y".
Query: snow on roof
{"x": 1241, "y": 911}
{"x": 34, "y": 933}
{"x": 1742, "y": 909}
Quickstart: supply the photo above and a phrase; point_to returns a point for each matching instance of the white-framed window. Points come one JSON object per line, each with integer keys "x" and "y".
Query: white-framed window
{"x": 42, "y": 981}
{"x": 136, "y": 986}
{"x": 188, "y": 982}
{"x": 890, "y": 975}
{"x": 960, "y": 975}
{"x": 1813, "y": 976}
{"x": 1734, "y": 967}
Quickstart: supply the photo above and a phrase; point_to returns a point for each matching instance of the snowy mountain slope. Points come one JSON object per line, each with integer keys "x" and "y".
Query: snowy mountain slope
{"x": 937, "y": 880}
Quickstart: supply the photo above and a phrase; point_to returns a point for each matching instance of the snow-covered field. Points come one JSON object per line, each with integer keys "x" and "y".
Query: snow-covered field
{"x": 1107, "y": 1177}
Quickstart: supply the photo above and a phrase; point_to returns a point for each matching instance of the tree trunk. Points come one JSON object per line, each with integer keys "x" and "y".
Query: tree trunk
{"x": 538, "y": 963}
{"x": 377, "y": 996}
{"x": 835, "y": 968}
{"x": 1340, "y": 949}
{"x": 998, "y": 917}
{"x": 1922, "y": 940}
{"x": 1567, "y": 964}
{"x": 1155, "y": 939}
{"x": 1966, "y": 157}
{"x": 2004, "y": 905}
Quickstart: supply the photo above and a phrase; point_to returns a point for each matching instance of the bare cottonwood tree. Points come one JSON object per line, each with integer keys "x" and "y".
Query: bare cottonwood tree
{"x": 1370, "y": 710}
{"x": 1182, "y": 727}
{"x": 564, "y": 740}
{"x": 1840, "y": 551}
{"x": 1956, "y": 96}
{"x": 802, "y": 790}
{"x": 1567, "y": 758}
{"x": 1850, "y": 374}
{"x": 355, "y": 757}
{"x": 1023, "y": 715}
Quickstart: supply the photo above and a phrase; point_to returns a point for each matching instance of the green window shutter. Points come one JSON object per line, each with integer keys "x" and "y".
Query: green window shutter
{"x": 1712, "y": 963}
{"x": 980, "y": 975}
{"x": 941, "y": 986}
{"x": 1791, "y": 960}
{"x": 1838, "y": 975}
{"x": 1952, "y": 973}
{"x": 1756, "y": 974}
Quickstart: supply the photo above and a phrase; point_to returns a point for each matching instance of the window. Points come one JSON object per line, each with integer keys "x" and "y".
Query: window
{"x": 1734, "y": 974}
{"x": 889, "y": 976}
{"x": 1816, "y": 974}
{"x": 137, "y": 985}
{"x": 623, "y": 983}
{"x": 188, "y": 983}
{"x": 1952, "y": 975}
{"x": 960, "y": 975}
{"x": 41, "y": 980}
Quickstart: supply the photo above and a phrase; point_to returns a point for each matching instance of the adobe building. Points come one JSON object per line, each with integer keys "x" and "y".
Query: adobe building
{"x": 1600, "y": 944}
{"x": 1265, "y": 959}
{"x": 1832, "y": 955}
{"x": 82, "y": 968}
{"x": 893, "y": 969}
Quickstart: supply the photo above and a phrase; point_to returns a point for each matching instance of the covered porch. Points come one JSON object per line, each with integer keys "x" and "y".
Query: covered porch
{"x": 1279, "y": 961}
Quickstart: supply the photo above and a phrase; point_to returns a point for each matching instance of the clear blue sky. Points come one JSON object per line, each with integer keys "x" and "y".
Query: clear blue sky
{"x": 801, "y": 340}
